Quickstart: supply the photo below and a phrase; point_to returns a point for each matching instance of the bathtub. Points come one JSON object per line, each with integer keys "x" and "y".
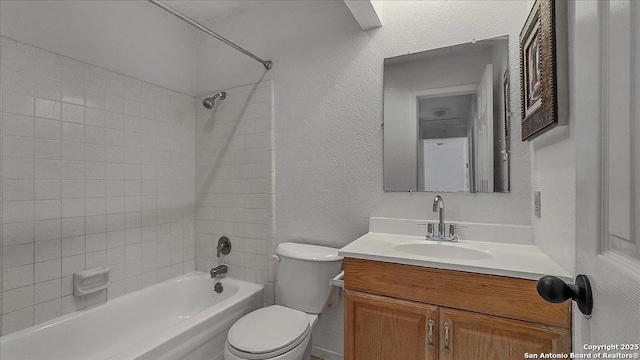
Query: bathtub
{"x": 179, "y": 318}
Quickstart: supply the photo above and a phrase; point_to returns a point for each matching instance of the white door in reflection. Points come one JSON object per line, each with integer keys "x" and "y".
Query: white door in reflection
{"x": 446, "y": 164}
{"x": 483, "y": 123}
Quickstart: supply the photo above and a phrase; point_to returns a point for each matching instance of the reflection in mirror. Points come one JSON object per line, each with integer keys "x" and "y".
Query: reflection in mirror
{"x": 446, "y": 119}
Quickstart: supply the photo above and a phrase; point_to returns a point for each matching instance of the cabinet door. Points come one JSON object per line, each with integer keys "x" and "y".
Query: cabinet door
{"x": 382, "y": 328}
{"x": 466, "y": 335}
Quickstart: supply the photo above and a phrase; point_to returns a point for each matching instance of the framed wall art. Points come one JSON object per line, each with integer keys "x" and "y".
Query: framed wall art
{"x": 543, "y": 82}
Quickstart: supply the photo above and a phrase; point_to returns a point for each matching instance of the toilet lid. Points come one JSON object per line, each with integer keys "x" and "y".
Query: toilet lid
{"x": 272, "y": 330}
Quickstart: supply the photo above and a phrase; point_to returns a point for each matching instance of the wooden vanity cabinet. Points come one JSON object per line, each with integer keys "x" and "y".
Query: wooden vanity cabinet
{"x": 406, "y": 312}
{"x": 477, "y": 336}
{"x": 387, "y": 328}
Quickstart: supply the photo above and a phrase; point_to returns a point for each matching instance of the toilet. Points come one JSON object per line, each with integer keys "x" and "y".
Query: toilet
{"x": 283, "y": 331}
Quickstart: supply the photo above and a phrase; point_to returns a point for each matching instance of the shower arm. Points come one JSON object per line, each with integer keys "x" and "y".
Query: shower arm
{"x": 268, "y": 64}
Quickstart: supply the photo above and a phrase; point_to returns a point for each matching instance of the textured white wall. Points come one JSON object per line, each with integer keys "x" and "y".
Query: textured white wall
{"x": 134, "y": 38}
{"x": 328, "y": 109}
{"x": 554, "y": 174}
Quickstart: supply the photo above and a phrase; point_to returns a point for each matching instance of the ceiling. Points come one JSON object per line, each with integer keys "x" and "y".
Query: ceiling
{"x": 458, "y": 107}
{"x": 206, "y": 11}
{"x": 454, "y": 50}
{"x": 451, "y": 124}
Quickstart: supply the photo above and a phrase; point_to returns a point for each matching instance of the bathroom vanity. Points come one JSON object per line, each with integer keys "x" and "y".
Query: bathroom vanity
{"x": 408, "y": 298}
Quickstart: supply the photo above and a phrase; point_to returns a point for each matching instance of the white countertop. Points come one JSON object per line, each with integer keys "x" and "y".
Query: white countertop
{"x": 514, "y": 260}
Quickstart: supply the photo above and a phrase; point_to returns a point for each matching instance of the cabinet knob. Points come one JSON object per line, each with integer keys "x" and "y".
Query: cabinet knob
{"x": 556, "y": 291}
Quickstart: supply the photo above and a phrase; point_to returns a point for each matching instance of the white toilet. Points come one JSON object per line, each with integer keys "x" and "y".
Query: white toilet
{"x": 283, "y": 331}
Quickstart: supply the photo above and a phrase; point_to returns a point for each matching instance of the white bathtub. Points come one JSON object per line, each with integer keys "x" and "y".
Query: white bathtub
{"x": 179, "y": 318}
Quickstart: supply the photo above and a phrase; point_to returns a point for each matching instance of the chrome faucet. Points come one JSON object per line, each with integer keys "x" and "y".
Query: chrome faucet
{"x": 438, "y": 206}
{"x": 219, "y": 271}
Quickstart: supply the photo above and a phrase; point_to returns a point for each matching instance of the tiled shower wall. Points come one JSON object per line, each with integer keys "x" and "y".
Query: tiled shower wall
{"x": 235, "y": 182}
{"x": 98, "y": 168}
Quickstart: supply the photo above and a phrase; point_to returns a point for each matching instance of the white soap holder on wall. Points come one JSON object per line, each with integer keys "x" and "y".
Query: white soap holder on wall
{"x": 91, "y": 280}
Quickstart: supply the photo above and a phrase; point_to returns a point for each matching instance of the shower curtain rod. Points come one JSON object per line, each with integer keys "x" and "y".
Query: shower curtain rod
{"x": 266, "y": 63}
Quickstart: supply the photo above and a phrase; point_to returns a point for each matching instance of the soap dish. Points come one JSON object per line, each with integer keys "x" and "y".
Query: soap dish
{"x": 91, "y": 280}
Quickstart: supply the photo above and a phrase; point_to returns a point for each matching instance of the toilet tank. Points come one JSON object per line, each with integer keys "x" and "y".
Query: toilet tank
{"x": 303, "y": 276}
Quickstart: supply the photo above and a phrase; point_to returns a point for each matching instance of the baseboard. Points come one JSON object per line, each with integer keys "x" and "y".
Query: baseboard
{"x": 325, "y": 354}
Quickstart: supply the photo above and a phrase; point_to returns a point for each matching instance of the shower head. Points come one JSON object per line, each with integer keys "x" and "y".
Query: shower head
{"x": 208, "y": 102}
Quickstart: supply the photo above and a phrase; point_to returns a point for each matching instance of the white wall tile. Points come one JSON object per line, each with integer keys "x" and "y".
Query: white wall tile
{"x": 47, "y": 270}
{"x": 14, "y": 168}
{"x": 47, "y": 230}
{"x": 17, "y": 103}
{"x": 47, "y": 129}
{"x": 96, "y": 242}
{"x": 95, "y": 98}
{"x": 46, "y": 169}
{"x": 237, "y": 201}
{"x": 17, "y": 320}
{"x": 16, "y": 277}
{"x": 47, "y": 109}
{"x": 47, "y": 189}
{"x": 18, "y": 81}
{"x": 17, "y": 211}
{"x": 47, "y": 310}
{"x": 72, "y": 170}
{"x": 47, "y": 209}
{"x": 73, "y": 113}
{"x": 73, "y": 246}
{"x": 47, "y": 149}
{"x": 73, "y": 151}
{"x": 83, "y": 151}
{"x": 95, "y": 117}
{"x": 95, "y": 224}
{"x": 72, "y": 264}
{"x": 47, "y": 250}
{"x": 47, "y": 88}
{"x": 72, "y": 208}
{"x": 17, "y": 146}
{"x": 17, "y": 299}
{"x": 20, "y": 125}
{"x": 72, "y": 94}
{"x": 95, "y": 259}
{"x": 17, "y": 233}
{"x": 47, "y": 290}
{"x": 17, "y": 190}
{"x": 94, "y": 188}
{"x": 72, "y": 131}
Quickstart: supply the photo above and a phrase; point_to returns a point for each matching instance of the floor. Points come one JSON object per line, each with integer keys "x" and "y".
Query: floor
{"x": 315, "y": 358}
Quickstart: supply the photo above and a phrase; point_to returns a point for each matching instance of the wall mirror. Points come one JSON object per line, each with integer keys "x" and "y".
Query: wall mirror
{"x": 446, "y": 119}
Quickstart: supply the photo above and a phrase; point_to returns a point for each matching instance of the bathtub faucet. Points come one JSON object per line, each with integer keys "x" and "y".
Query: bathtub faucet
{"x": 219, "y": 271}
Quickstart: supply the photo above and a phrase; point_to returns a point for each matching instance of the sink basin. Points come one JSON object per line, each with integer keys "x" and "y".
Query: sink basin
{"x": 445, "y": 251}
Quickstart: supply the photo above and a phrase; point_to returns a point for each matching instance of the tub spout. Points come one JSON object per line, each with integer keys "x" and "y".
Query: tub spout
{"x": 219, "y": 271}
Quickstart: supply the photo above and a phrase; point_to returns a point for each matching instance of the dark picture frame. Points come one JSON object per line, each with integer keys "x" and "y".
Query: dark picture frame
{"x": 539, "y": 70}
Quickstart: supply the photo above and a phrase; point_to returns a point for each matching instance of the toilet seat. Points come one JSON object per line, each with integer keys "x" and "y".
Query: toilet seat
{"x": 268, "y": 332}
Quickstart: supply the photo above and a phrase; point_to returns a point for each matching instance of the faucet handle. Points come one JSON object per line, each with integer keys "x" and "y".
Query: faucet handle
{"x": 224, "y": 246}
{"x": 429, "y": 226}
{"x": 453, "y": 231}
